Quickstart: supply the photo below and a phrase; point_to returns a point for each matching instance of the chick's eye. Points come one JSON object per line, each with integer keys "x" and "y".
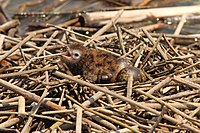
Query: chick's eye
{"x": 76, "y": 55}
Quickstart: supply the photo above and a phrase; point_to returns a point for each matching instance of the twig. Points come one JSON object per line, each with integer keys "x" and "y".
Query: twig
{"x": 38, "y": 116}
{"x": 158, "y": 120}
{"x": 99, "y": 119}
{"x": 104, "y": 28}
{"x": 119, "y": 34}
{"x": 150, "y": 52}
{"x": 17, "y": 46}
{"x": 180, "y": 25}
{"x": 186, "y": 82}
{"x": 160, "y": 85}
{"x": 53, "y": 28}
{"x": 9, "y": 25}
{"x": 47, "y": 43}
{"x": 10, "y": 122}
{"x": 27, "y": 72}
{"x": 79, "y": 119}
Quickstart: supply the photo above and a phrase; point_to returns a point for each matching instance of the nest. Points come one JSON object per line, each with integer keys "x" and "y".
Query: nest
{"x": 39, "y": 93}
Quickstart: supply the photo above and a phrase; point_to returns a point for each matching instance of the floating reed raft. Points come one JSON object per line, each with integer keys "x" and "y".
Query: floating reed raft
{"x": 39, "y": 93}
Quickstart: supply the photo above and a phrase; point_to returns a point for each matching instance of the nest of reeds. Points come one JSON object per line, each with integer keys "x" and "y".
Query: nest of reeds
{"x": 38, "y": 92}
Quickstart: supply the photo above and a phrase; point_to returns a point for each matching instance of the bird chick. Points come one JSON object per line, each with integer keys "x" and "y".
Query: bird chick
{"x": 96, "y": 65}
{"x": 75, "y": 57}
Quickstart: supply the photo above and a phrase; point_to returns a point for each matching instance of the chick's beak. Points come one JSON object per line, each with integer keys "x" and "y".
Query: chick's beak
{"x": 67, "y": 55}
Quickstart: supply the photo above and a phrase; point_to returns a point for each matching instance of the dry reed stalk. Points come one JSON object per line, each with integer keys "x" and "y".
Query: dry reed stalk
{"x": 92, "y": 19}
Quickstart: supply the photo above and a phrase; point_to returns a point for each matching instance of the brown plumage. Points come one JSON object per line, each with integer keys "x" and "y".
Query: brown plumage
{"x": 95, "y": 65}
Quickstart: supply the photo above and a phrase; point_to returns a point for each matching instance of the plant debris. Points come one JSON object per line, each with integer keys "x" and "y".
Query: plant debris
{"x": 39, "y": 93}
